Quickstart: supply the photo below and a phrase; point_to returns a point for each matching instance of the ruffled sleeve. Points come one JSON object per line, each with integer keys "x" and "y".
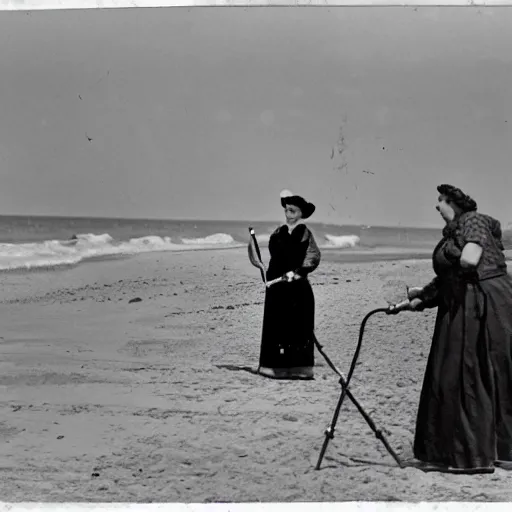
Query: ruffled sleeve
{"x": 313, "y": 255}
{"x": 430, "y": 294}
{"x": 474, "y": 229}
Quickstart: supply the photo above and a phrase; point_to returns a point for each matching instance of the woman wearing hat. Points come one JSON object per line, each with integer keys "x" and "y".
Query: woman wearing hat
{"x": 287, "y": 347}
{"x": 464, "y": 422}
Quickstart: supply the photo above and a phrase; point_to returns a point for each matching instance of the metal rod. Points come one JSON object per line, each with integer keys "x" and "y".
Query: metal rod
{"x": 258, "y": 253}
{"x": 378, "y": 433}
{"x": 329, "y": 433}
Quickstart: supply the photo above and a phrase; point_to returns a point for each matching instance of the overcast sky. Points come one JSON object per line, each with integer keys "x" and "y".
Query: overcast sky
{"x": 210, "y": 112}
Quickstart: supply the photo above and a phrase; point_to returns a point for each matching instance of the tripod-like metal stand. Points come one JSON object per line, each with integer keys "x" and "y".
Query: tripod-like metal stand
{"x": 329, "y": 433}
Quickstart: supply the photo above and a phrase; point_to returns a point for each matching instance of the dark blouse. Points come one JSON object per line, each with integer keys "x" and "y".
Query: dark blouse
{"x": 296, "y": 251}
{"x": 471, "y": 227}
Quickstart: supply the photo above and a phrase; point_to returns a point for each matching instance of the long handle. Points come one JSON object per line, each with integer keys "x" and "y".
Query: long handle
{"x": 256, "y": 246}
{"x": 258, "y": 253}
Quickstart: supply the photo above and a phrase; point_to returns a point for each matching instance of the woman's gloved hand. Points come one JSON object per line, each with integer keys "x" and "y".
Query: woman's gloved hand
{"x": 414, "y": 292}
{"x": 291, "y": 276}
{"x": 415, "y": 305}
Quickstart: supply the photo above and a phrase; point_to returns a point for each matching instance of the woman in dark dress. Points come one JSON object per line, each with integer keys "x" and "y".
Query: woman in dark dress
{"x": 287, "y": 347}
{"x": 464, "y": 421}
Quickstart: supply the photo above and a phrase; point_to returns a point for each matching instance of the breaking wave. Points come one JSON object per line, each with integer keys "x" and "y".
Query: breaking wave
{"x": 342, "y": 242}
{"x": 218, "y": 238}
{"x": 55, "y": 253}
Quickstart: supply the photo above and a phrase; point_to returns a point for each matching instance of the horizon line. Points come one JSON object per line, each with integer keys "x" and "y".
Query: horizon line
{"x": 168, "y": 219}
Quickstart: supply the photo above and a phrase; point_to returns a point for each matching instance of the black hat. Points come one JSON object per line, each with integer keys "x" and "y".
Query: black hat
{"x": 306, "y": 208}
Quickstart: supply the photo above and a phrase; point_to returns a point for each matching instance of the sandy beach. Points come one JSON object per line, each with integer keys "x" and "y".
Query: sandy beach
{"x": 107, "y": 400}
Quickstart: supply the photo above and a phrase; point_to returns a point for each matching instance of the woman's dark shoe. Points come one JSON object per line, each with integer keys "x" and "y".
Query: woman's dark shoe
{"x": 503, "y": 464}
{"x": 298, "y": 373}
{"x": 428, "y": 467}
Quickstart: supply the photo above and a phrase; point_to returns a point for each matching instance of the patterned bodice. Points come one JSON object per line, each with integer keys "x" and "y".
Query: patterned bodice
{"x": 471, "y": 227}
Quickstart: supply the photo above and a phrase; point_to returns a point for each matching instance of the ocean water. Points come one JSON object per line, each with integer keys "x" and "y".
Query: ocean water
{"x": 50, "y": 242}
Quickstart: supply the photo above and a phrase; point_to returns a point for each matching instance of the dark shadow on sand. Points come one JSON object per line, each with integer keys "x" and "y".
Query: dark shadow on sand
{"x": 254, "y": 371}
{"x": 355, "y": 463}
{"x": 235, "y": 368}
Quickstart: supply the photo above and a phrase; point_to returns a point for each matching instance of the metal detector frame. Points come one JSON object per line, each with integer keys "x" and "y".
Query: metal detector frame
{"x": 344, "y": 382}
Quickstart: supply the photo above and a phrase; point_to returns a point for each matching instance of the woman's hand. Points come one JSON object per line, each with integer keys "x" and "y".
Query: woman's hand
{"x": 406, "y": 305}
{"x": 292, "y": 276}
{"x": 413, "y": 293}
{"x": 415, "y": 305}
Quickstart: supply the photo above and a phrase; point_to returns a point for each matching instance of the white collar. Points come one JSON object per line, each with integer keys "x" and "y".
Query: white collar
{"x": 291, "y": 228}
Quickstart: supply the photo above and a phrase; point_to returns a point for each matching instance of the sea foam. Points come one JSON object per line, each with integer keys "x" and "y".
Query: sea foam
{"x": 342, "y": 241}
{"x": 55, "y": 253}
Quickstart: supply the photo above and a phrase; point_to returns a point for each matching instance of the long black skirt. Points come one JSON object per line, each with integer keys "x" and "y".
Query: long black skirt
{"x": 288, "y": 326}
{"x": 465, "y": 412}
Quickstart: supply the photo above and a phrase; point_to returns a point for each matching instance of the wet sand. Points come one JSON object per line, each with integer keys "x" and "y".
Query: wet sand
{"x": 104, "y": 399}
